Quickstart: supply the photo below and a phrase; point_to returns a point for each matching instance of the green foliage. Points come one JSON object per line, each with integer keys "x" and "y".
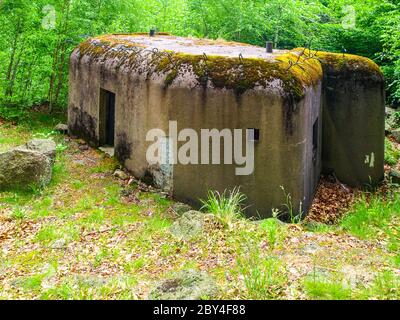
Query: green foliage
{"x": 392, "y": 154}
{"x": 38, "y": 36}
{"x": 385, "y": 286}
{"x": 371, "y": 216}
{"x": 274, "y": 231}
{"x": 326, "y": 290}
{"x": 290, "y": 214}
{"x": 264, "y": 277}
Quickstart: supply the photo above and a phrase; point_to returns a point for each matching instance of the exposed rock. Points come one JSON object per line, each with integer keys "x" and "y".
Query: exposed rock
{"x": 186, "y": 285}
{"x": 91, "y": 281}
{"x": 353, "y": 276}
{"x": 395, "y": 176}
{"x": 121, "y": 175}
{"x": 190, "y": 225}
{"x": 180, "y": 208}
{"x": 43, "y": 146}
{"x": 311, "y": 248}
{"x": 62, "y": 128}
{"x": 22, "y": 169}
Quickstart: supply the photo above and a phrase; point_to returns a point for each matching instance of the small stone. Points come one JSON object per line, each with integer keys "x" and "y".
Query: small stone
{"x": 186, "y": 285}
{"x": 59, "y": 244}
{"x": 62, "y": 128}
{"x": 180, "y": 208}
{"x": 395, "y": 176}
{"x": 121, "y": 175}
{"x": 84, "y": 147}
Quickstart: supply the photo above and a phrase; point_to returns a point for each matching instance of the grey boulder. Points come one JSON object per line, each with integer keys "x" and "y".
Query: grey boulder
{"x": 44, "y": 146}
{"x": 180, "y": 208}
{"x": 23, "y": 169}
{"x": 190, "y": 225}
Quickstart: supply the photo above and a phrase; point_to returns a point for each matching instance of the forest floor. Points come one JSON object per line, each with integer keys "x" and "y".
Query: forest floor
{"x": 86, "y": 237}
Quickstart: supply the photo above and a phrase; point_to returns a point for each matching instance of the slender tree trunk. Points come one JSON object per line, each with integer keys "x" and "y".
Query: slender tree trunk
{"x": 59, "y": 51}
{"x": 28, "y": 79}
{"x": 14, "y": 74}
{"x": 11, "y": 65}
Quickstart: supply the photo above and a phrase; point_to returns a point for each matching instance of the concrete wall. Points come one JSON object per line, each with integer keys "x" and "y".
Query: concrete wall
{"x": 283, "y": 156}
{"x": 354, "y": 126}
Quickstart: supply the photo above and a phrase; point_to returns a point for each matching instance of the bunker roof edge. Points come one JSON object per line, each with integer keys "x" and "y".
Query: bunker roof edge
{"x": 295, "y": 70}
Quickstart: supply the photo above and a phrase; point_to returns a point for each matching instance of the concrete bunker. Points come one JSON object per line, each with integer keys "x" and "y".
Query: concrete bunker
{"x": 305, "y": 111}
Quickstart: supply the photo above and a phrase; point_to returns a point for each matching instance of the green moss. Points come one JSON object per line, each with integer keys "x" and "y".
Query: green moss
{"x": 171, "y": 77}
{"x": 241, "y": 75}
{"x": 346, "y": 63}
{"x": 294, "y": 69}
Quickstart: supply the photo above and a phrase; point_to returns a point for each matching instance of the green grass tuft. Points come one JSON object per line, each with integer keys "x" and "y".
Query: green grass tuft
{"x": 227, "y": 206}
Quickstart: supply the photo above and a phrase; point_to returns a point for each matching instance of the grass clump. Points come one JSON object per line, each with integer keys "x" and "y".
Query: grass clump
{"x": 326, "y": 290}
{"x": 384, "y": 286}
{"x": 370, "y": 217}
{"x": 227, "y": 206}
{"x": 264, "y": 277}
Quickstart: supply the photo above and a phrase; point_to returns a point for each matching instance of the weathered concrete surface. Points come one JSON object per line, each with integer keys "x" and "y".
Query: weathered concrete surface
{"x": 209, "y": 92}
{"x": 354, "y": 123}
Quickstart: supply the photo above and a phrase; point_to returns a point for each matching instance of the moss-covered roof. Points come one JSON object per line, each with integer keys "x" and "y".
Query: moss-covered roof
{"x": 220, "y": 64}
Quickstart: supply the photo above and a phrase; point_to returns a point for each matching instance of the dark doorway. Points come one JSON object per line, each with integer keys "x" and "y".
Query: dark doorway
{"x": 107, "y": 116}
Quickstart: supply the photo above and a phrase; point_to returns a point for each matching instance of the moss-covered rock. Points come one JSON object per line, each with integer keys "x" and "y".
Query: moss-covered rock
{"x": 27, "y": 166}
{"x": 190, "y": 225}
{"x": 181, "y": 208}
